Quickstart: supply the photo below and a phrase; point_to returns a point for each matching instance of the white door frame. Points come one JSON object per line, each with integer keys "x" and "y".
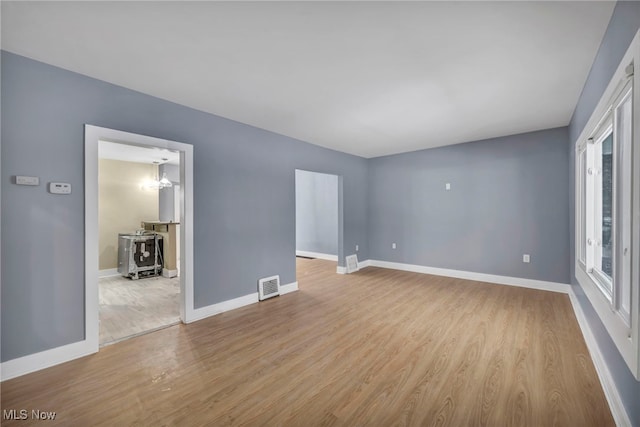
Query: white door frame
{"x": 341, "y": 255}
{"x": 177, "y": 209}
{"x": 94, "y": 134}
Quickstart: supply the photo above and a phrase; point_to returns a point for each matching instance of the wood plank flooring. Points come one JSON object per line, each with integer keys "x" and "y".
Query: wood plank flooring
{"x": 131, "y": 307}
{"x": 374, "y": 348}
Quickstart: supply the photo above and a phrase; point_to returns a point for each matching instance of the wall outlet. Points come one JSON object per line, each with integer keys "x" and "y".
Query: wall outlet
{"x": 526, "y": 258}
{"x": 393, "y": 246}
{"x": 447, "y": 186}
{"x": 357, "y": 248}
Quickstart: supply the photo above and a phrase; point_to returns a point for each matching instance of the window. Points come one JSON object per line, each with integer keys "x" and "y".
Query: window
{"x": 598, "y": 202}
{"x": 604, "y": 214}
{"x": 607, "y": 169}
{"x": 624, "y": 141}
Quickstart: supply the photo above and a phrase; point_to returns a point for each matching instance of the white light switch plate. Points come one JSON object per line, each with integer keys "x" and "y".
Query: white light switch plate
{"x": 59, "y": 188}
{"x": 526, "y": 258}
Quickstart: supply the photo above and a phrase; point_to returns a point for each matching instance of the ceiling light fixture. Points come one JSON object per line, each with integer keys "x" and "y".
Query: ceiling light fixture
{"x": 158, "y": 184}
{"x": 164, "y": 182}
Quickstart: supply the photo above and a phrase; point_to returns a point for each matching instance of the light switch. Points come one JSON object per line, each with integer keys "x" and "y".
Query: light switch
{"x": 447, "y": 186}
{"x": 526, "y": 258}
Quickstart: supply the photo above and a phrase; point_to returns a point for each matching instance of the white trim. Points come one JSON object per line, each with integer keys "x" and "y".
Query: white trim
{"x": 611, "y": 392}
{"x": 361, "y": 265}
{"x": 608, "y": 317}
{"x": 232, "y": 304}
{"x": 364, "y": 264}
{"x": 169, "y": 273}
{"x": 481, "y": 277}
{"x": 109, "y": 272}
{"x": 291, "y": 287}
{"x": 91, "y": 268}
{"x": 93, "y": 135}
{"x": 318, "y": 255}
{"x": 221, "y": 307}
{"x": 44, "y": 359}
{"x": 635, "y": 221}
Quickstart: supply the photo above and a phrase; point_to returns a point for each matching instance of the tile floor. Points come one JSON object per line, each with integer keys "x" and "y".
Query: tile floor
{"x": 132, "y": 307}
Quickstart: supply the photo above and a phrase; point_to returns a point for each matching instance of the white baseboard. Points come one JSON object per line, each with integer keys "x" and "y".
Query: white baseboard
{"x": 480, "y": 277}
{"x": 364, "y": 264}
{"x": 108, "y": 272}
{"x": 318, "y": 255}
{"x": 221, "y": 307}
{"x": 169, "y": 273}
{"x": 291, "y": 287}
{"x": 361, "y": 265}
{"x": 45, "y": 359}
{"x": 611, "y": 392}
{"x": 232, "y": 304}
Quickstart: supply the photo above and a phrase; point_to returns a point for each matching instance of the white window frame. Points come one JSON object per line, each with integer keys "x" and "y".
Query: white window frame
{"x": 606, "y": 293}
{"x": 623, "y": 205}
{"x": 593, "y": 196}
{"x": 581, "y": 215}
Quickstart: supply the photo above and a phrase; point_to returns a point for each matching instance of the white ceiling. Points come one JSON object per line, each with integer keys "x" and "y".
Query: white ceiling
{"x": 136, "y": 154}
{"x": 367, "y": 78}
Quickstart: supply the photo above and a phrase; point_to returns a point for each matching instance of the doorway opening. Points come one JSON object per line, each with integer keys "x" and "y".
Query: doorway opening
{"x": 138, "y": 234}
{"x": 139, "y": 284}
{"x": 318, "y": 220}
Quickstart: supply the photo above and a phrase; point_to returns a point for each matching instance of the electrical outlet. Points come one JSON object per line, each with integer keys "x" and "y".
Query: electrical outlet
{"x": 526, "y": 258}
{"x": 357, "y": 248}
{"x": 393, "y": 246}
{"x": 447, "y": 186}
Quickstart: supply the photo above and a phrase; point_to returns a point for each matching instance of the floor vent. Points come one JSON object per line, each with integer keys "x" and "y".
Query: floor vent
{"x": 352, "y": 263}
{"x": 268, "y": 287}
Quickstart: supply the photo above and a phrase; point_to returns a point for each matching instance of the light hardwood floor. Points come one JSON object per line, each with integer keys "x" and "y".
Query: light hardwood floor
{"x": 374, "y": 348}
{"x": 132, "y": 307}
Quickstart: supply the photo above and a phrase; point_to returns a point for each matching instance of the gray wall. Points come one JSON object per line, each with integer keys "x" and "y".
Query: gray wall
{"x": 508, "y": 197}
{"x": 244, "y": 197}
{"x": 623, "y": 26}
{"x": 316, "y": 212}
{"x": 165, "y": 195}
